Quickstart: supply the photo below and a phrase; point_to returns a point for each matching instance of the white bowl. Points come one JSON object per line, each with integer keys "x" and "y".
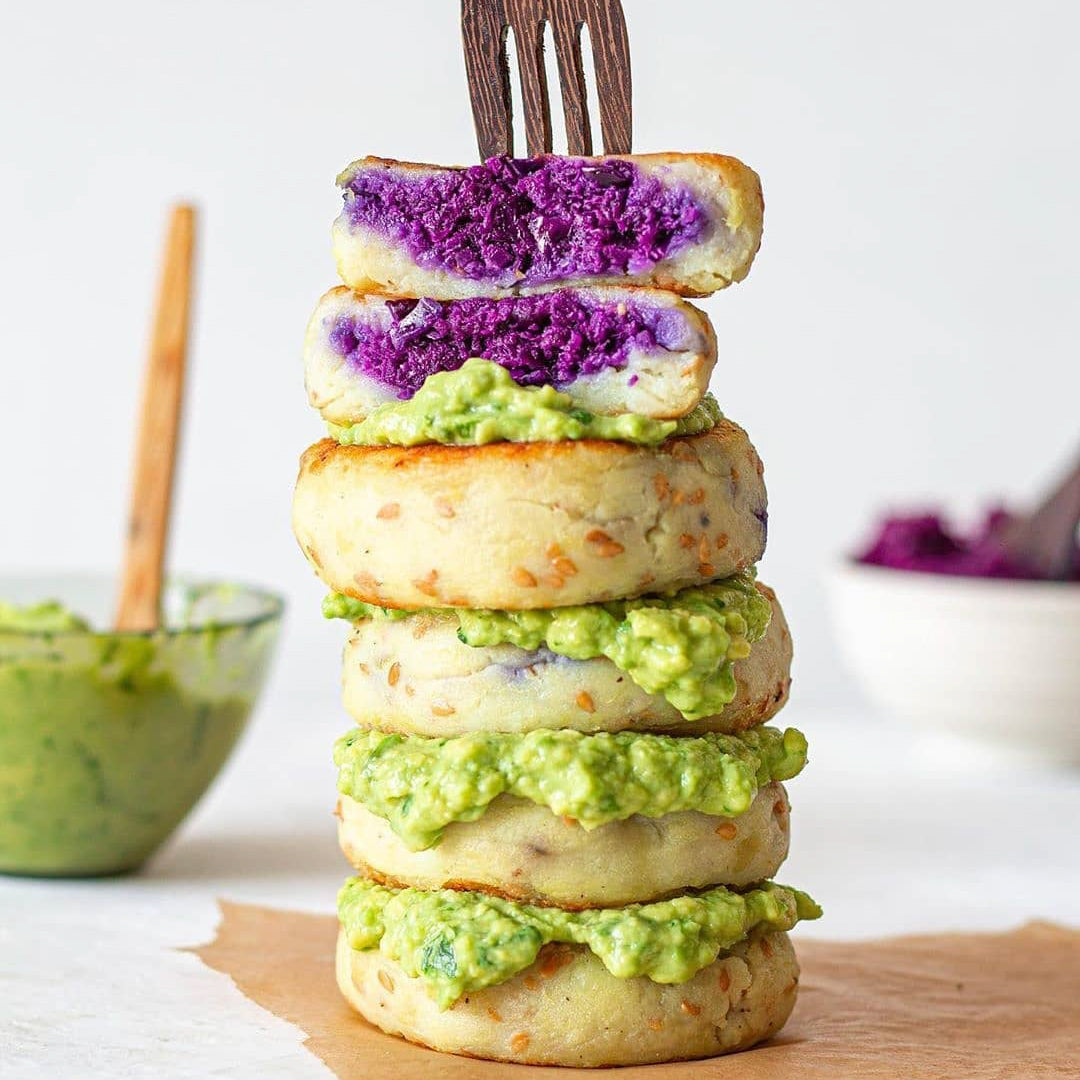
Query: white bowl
{"x": 995, "y": 660}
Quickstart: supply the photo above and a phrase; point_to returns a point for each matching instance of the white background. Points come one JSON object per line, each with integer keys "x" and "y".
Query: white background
{"x": 907, "y": 333}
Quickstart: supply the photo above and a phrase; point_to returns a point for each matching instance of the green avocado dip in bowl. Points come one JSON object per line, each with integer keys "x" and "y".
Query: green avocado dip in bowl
{"x": 107, "y": 740}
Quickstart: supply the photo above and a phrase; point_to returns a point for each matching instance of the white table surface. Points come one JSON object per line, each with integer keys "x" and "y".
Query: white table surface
{"x": 890, "y": 834}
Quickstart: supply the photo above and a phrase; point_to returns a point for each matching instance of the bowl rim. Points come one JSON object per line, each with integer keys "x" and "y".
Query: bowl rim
{"x": 849, "y": 567}
{"x": 273, "y": 607}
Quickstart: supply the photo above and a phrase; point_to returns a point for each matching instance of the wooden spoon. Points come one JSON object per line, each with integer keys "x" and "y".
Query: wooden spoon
{"x": 139, "y": 603}
{"x": 485, "y": 25}
{"x": 1045, "y": 540}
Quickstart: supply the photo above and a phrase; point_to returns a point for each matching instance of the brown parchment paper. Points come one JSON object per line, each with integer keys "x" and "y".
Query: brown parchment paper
{"x": 942, "y": 1007}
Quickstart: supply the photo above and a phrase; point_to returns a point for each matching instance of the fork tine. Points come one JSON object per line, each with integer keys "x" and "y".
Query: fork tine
{"x": 611, "y": 61}
{"x": 483, "y": 34}
{"x": 528, "y": 23}
{"x": 566, "y": 29}
{"x": 484, "y": 28}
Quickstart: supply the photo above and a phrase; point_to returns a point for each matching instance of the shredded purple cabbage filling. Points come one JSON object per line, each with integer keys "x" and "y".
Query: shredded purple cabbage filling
{"x": 926, "y": 543}
{"x": 548, "y": 338}
{"x": 528, "y": 221}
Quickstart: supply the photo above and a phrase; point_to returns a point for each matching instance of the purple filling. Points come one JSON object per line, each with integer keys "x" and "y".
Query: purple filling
{"x": 528, "y": 221}
{"x": 522, "y": 668}
{"x": 763, "y": 518}
{"x": 924, "y": 542}
{"x": 549, "y": 338}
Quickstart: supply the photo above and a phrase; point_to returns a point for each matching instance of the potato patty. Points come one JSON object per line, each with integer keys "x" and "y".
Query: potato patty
{"x": 528, "y": 525}
{"x": 723, "y": 194}
{"x": 524, "y": 852}
{"x": 568, "y": 1009}
{"x": 415, "y": 676}
{"x": 357, "y": 355}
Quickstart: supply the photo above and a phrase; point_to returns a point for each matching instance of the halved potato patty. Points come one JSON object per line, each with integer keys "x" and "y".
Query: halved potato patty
{"x": 387, "y": 200}
{"x": 363, "y": 350}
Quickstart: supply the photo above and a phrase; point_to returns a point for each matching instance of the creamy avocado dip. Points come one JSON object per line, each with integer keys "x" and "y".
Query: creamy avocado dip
{"x": 462, "y": 941}
{"x": 420, "y": 785}
{"x": 680, "y": 645}
{"x": 480, "y": 403}
{"x": 50, "y": 616}
{"x": 107, "y": 740}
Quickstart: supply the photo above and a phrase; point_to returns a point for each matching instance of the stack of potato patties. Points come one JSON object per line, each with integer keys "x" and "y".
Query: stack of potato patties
{"x": 560, "y": 799}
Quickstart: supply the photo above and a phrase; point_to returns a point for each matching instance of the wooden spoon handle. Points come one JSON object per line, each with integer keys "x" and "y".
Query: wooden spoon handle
{"x": 139, "y": 602}
{"x": 1045, "y": 540}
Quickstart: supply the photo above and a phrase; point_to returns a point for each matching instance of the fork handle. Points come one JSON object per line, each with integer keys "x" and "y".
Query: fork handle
{"x": 485, "y": 26}
{"x": 483, "y": 38}
{"x": 611, "y": 59}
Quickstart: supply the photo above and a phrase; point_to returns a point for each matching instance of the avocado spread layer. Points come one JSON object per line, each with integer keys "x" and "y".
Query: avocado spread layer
{"x": 462, "y": 941}
{"x": 680, "y": 645}
{"x": 420, "y": 785}
{"x": 480, "y": 403}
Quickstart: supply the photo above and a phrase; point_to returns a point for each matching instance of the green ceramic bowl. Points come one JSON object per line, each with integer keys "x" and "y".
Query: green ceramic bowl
{"x": 108, "y": 740}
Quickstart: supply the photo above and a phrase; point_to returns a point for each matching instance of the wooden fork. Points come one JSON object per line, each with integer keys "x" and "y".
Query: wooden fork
{"x": 485, "y": 25}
